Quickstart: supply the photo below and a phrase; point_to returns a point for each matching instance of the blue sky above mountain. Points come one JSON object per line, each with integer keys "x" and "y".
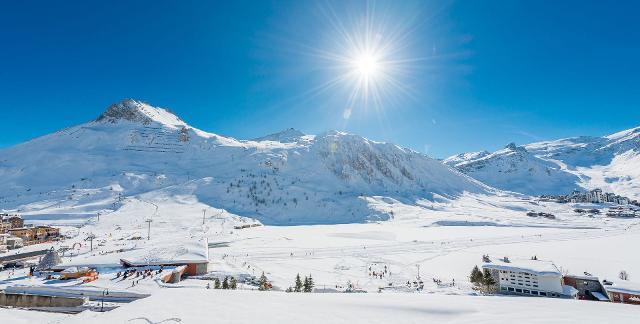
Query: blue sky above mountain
{"x": 487, "y": 72}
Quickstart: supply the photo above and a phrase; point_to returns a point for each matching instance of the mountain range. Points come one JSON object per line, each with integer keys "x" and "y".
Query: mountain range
{"x": 611, "y": 163}
{"x": 134, "y": 148}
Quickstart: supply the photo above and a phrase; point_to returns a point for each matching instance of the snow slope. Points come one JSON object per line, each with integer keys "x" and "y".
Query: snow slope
{"x": 285, "y": 178}
{"x": 557, "y": 167}
{"x": 194, "y": 306}
{"x": 514, "y": 168}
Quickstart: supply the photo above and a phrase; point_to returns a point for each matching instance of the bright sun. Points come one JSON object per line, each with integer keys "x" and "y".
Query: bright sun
{"x": 365, "y": 59}
{"x": 366, "y": 65}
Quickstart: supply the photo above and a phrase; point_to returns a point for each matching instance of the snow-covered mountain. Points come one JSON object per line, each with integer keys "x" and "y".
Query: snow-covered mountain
{"x": 611, "y": 163}
{"x": 134, "y": 149}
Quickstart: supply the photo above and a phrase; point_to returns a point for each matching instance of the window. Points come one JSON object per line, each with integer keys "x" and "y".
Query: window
{"x": 526, "y": 291}
{"x": 542, "y": 293}
{"x": 510, "y": 289}
{"x": 503, "y": 288}
{"x": 534, "y": 292}
{"x": 519, "y": 290}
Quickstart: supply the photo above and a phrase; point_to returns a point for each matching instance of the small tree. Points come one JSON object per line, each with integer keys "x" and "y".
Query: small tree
{"x": 487, "y": 280}
{"x": 225, "y": 283}
{"x": 297, "y": 287}
{"x": 534, "y": 258}
{"x": 233, "y": 283}
{"x": 476, "y": 276}
{"x": 308, "y": 284}
{"x": 264, "y": 283}
{"x": 623, "y": 275}
{"x": 485, "y": 258}
{"x": 216, "y": 283}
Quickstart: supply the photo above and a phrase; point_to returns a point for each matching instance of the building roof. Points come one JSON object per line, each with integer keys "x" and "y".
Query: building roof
{"x": 583, "y": 277}
{"x": 569, "y": 290}
{"x": 624, "y": 286}
{"x": 538, "y": 267}
{"x": 599, "y": 296}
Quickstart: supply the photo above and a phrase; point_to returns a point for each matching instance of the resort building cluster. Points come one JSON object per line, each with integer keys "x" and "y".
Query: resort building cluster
{"x": 14, "y": 234}
{"x": 595, "y": 196}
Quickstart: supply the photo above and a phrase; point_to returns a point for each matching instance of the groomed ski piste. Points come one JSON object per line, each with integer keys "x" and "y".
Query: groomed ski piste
{"x": 189, "y": 195}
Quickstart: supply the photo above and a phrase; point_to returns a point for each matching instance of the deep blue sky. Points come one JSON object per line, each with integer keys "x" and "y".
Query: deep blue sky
{"x": 493, "y": 71}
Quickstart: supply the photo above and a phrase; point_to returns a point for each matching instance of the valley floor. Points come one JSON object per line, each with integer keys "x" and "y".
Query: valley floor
{"x": 440, "y": 242}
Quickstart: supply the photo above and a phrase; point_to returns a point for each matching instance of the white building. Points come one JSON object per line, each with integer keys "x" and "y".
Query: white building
{"x": 595, "y": 196}
{"x": 529, "y": 277}
{"x": 3, "y": 243}
{"x": 14, "y": 242}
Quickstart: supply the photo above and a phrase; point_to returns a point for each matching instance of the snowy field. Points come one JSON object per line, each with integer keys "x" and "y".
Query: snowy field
{"x": 442, "y": 240}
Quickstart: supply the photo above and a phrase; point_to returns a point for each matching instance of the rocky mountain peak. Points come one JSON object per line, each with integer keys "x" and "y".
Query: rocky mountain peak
{"x": 140, "y": 112}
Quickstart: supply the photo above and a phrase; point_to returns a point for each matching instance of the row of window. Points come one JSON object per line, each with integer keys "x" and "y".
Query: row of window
{"x": 524, "y": 285}
{"x": 520, "y": 280}
{"x": 529, "y": 292}
{"x": 513, "y": 274}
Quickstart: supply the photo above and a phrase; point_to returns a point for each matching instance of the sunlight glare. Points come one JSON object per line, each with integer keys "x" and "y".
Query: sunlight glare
{"x": 366, "y": 65}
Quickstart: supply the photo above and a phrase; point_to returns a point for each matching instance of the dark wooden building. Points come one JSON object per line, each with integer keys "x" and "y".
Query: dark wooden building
{"x": 589, "y": 287}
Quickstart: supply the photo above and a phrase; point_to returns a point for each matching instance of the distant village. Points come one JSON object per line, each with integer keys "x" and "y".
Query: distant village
{"x": 595, "y": 196}
{"x": 14, "y": 234}
{"x": 620, "y": 207}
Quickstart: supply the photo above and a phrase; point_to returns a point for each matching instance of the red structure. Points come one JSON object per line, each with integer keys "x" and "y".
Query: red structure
{"x": 624, "y": 292}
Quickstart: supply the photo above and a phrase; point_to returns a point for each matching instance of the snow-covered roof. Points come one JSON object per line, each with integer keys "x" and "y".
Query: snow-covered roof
{"x": 538, "y": 267}
{"x": 583, "y": 277}
{"x": 569, "y": 290}
{"x": 623, "y": 286}
{"x": 599, "y": 296}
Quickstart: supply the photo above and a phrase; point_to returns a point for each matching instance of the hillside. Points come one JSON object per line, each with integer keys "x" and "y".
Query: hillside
{"x": 285, "y": 178}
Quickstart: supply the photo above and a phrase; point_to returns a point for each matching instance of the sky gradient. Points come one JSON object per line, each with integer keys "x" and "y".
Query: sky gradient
{"x": 480, "y": 74}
